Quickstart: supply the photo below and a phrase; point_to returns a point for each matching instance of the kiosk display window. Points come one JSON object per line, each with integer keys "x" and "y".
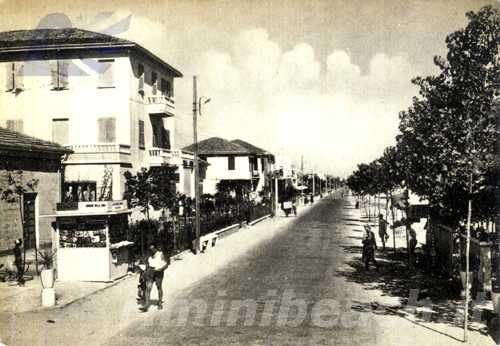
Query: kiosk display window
{"x": 79, "y": 234}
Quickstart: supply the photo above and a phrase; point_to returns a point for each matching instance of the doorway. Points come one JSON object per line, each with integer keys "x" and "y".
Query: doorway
{"x": 29, "y": 213}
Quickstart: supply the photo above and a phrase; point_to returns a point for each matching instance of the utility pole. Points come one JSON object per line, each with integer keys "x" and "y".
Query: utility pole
{"x": 276, "y": 194}
{"x": 196, "y": 170}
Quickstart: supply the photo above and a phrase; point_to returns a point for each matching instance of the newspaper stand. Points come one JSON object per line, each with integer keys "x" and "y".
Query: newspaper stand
{"x": 91, "y": 241}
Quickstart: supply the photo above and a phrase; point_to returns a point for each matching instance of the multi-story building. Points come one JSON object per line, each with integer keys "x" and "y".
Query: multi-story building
{"x": 107, "y": 99}
{"x": 235, "y": 160}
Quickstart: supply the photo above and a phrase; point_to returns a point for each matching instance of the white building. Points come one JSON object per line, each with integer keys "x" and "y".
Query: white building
{"x": 109, "y": 100}
{"x": 236, "y": 161}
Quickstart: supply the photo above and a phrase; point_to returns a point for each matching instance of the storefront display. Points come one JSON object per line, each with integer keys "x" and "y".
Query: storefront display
{"x": 92, "y": 242}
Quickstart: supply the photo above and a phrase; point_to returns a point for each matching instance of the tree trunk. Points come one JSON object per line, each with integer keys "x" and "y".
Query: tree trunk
{"x": 496, "y": 255}
{"x": 393, "y": 220}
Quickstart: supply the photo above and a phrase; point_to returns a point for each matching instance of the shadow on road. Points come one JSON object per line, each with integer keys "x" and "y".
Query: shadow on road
{"x": 438, "y": 298}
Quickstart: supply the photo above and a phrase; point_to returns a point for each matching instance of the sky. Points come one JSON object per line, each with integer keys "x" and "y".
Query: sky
{"x": 318, "y": 79}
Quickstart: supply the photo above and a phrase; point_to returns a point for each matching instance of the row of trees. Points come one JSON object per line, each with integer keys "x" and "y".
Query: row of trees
{"x": 445, "y": 152}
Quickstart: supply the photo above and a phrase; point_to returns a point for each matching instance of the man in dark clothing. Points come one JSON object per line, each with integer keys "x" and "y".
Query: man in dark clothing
{"x": 382, "y": 230}
{"x": 18, "y": 261}
{"x": 369, "y": 247}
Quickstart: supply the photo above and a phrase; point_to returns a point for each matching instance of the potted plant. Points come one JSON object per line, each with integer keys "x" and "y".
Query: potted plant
{"x": 47, "y": 274}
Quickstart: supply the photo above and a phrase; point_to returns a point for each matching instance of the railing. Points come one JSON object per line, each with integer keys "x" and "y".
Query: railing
{"x": 99, "y": 148}
{"x": 160, "y": 99}
{"x": 182, "y": 230}
{"x": 160, "y": 152}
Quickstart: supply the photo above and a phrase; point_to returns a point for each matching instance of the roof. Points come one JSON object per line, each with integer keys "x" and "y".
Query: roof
{"x": 15, "y": 141}
{"x": 218, "y": 146}
{"x": 252, "y": 148}
{"x": 69, "y": 39}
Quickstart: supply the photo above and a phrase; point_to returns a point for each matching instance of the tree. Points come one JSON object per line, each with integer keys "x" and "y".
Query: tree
{"x": 14, "y": 193}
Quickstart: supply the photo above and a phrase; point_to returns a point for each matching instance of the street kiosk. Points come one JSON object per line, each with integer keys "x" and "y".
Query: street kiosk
{"x": 91, "y": 241}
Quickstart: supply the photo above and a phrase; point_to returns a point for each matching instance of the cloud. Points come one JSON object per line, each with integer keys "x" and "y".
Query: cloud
{"x": 277, "y": 99}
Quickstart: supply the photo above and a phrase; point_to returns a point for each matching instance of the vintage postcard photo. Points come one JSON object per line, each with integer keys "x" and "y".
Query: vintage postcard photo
{"x": 249, "y": 172}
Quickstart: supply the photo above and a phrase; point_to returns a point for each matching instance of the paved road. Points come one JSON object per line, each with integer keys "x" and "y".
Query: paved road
{"x": 288, "y": 290}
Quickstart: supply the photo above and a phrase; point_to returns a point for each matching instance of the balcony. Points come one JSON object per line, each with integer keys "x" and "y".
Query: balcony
{"x": 160, "y": 105}
{"x": 98, "y": 153}
{"x": 159, "y": 156}
{"x": 99, "y": 148}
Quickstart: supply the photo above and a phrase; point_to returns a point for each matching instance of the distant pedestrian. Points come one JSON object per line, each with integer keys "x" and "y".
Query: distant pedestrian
{"x": 369, "y": 247}
{"x": 356, "y": 205}
{"x": 382, "y": 230}
{"x": 412, "y": 246}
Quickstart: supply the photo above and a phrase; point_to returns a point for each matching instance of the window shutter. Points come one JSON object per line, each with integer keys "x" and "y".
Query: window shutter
{"x": 110, "y": 130}
{"x": 141, "y": 134}
{"x": 19, "y": 75}
{"x": 60, "y": 131}
{"x": 155, "y": 139}
{"x": 106, "y": 75}
{"x": 101, "y": 130}
{"x": 154, "y": 82}
{"x": 9, "y": 76}
{"x": 141, "y": 78}
{"x": 63, "y": 74}
{"x": 15, "y": 125}
{"x": 230, "y": 163}
{"x": 166, "y": 138}
{"x": 54, "y": 74}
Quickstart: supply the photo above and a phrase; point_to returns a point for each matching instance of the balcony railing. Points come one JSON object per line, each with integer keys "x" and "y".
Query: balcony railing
{"x": 160, "y": 152}
{"x": 160, "y": 104}
{"x": 99, "y": 148}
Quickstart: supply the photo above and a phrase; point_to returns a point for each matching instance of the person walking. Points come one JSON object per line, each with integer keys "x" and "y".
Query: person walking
{"x": 154, "y": 275}
{"x": 412, "y": 246}
{"x": 382, "y": 230}
{"x": 18, "y": 261}
{"x": 369, "y": 247}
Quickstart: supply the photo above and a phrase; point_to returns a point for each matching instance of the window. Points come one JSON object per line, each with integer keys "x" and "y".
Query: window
{"x": 154, "y": 82}
{"x": 15, "y": 125}
{"x": 59, "y": 74}
{"x": 106, "y": 76}
{"x": 252, "y": 161}
{"x": 106, "y": 130}
{"x": 141, "y": 135}
{"x": 165, "y": 88}
{"x": 14, "y": 76}
{"x": 230, "y": 163}
{"x": 165, "y": 139}
{"x": 140, "y": 73}
{"x": 263, "y": 164}
{"x": 60, "y": 131}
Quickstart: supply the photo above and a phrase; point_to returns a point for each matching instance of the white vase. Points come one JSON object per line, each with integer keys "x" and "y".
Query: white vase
{"x": 47, "y": 277}
{"x": 495, "y": 298}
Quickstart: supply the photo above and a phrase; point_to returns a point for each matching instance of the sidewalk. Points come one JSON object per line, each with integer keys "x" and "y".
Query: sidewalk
{"x": 419, "y": 307}
{"x": 16, "y": 299}
{"x": 101, "y": 315}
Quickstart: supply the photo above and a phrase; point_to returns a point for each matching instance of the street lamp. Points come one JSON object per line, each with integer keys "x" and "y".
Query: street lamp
{"x": 197, "y": 102}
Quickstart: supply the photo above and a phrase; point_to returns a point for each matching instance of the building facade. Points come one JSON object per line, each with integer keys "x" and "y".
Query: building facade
{"x": 35, "y": 166}
{"x": 236, "y": 161}
{"x": 108, "y": 100}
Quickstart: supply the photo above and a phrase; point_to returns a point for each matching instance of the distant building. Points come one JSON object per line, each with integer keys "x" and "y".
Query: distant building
{"x": 25, "y": 158}
{"x": 107, "y": 99}
{"x": 236, "y": 161}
